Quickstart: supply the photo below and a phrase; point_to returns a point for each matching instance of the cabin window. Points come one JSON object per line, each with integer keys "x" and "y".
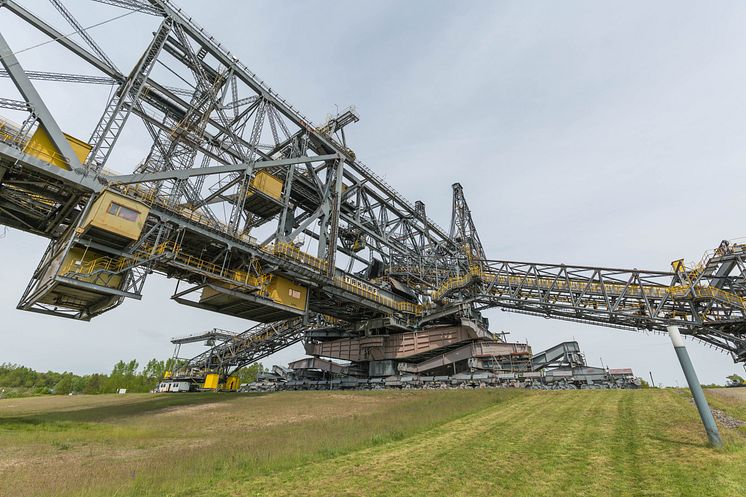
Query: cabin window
{"x": 294, "y": 293}
{"x": 121, "y": 211}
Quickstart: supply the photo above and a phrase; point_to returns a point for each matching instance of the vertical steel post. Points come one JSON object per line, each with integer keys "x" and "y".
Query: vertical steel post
{"x": 691, "y": 378}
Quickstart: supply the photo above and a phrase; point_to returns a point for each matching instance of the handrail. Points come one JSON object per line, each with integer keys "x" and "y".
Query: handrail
{"x": 236, "y": 275}
{"x": 598, "y": 288}
{"x": 401, "y": 306}
{"x": 10, "y": 133}
{"x": 290, "y": 251}
{"x": 115, "y": 265}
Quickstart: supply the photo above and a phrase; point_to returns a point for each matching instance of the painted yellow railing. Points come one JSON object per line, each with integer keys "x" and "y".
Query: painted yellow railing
{"x": 151, "y": 196}
{"x": 707, "y": 292}
{"x": 108, "y": 264}
{"x": 457, "y": 281}
{"x": 113, "y": 265}
{"x": 196, "y": 263}
{"x": 397, "y": 305}
{"x": 44, "y": 153}
{"x": 271, "y": 330}
{"x": 10, "y": 133}
{"x": 607, "y": 288}
{"x": 290, "y": 251}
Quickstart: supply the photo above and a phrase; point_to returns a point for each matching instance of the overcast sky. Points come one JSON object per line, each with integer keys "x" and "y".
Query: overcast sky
{"x": 583, "y": 132}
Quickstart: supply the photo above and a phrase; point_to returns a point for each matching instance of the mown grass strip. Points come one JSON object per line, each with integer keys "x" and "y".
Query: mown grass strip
{"x": 621, "y": 443}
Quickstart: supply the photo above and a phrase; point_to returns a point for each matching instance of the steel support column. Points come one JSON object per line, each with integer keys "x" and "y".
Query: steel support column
{"x": 691, "y": 378}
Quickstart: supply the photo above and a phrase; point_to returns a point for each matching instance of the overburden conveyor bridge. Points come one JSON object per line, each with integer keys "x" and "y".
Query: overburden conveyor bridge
{"x": 258, "y": 213}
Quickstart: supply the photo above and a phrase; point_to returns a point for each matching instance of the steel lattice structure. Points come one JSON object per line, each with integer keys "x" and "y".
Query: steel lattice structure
{"x": 258, "y": 213}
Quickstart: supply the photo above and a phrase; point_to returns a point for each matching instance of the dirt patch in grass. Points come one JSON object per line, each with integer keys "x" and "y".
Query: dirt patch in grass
{"x": 735, "y": 393}
{"x": 287, "y": 408}
{"x": 56, "y": 403}
{"x": 188, "y": 410}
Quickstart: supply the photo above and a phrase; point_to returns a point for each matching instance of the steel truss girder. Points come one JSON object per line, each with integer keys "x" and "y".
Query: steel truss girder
{"x": 58, "y": 37}
{"x": 182, "y": 174}
{"x": 339, "y": 196}
{"x": 136, "y": 5}
{"x": 265, "y": 95}
{"x": 252, "y": 345}
{"x": 35, "y": 102}
{"x": 9, "y": 103}
{"x": 628, "y": 299}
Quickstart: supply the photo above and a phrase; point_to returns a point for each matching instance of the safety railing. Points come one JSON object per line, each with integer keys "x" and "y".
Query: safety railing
{"x": 11, "y": 133}
{"x": 112, "y": 265}
{"x": 707, "y": 292}
{"x": 454, "y": 282}
{"x": 406, "y": 307}
{"x": 44, "y": 153}
{"x": 116, "y": 265}
{"x": 267, "y": 332}
{"x": 290, "y": 251}
{"x": 198, "y": 264}
{"x": 151, "y": 197}
{"x": 87, "y": 268}
{"x": 529, "y": 282}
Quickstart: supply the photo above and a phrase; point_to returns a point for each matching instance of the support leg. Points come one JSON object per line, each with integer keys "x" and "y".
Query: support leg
{"x": 691, "y": 378}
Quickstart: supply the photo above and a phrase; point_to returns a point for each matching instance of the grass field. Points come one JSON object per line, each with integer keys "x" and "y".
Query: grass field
{"x": 457, "y": 442}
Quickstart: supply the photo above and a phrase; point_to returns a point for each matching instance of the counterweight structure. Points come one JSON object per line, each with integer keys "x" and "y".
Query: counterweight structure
{"x": 258, "y": 213}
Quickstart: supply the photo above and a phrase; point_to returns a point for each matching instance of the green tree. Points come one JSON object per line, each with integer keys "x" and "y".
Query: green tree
{"x": 79, "y": 383}
{"x": 64, "y": 385}
{"x": 173, "y": 363}
{"x": 154, "y": 370}
{"x": 736, "y": 380}
{"x": 20, "y": 380}
{"x": 95, "y": 383}
{"x": 131, "y": 368}
{"x": 249, "y": 373}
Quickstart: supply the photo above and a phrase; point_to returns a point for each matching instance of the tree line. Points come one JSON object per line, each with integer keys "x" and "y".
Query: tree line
{"x": 17, "y": 380}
